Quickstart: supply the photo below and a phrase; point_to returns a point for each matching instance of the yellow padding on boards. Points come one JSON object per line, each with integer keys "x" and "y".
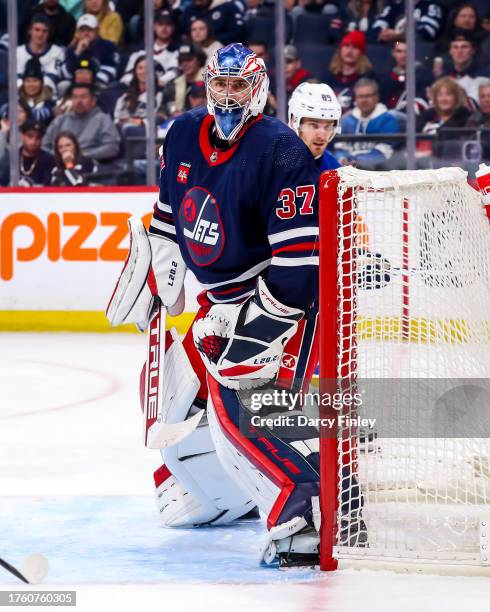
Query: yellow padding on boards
{"x": 386, "y": 329}
{"x": 75, "y": 321}
{"x": 421, "y": 330}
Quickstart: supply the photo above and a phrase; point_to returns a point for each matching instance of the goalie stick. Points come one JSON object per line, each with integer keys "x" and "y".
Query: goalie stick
{"x": 157, "y": 433}
{"x": 154, "y": 372}
{"x": 32, "y": 571}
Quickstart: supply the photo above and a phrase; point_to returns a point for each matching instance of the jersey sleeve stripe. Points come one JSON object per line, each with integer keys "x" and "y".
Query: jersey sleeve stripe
{"x": 156, "y": 232}
{"x": 250, "y": 273}
{"x": 164, "y": 227}
{"x": 302, "y": 246}
{"x": 296, "y": 261}
{"x": 163, "y": 217}
{"x": 163, "y": 207}
{"x": 292, "y": 233}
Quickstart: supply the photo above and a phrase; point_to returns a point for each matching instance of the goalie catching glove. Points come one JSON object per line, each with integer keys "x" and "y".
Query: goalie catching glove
{"x": 242, "y": 344}
{"x": 154, "y": 267}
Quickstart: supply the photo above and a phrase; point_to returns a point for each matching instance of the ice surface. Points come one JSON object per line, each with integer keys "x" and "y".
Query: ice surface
{"x": 76, "y": 485}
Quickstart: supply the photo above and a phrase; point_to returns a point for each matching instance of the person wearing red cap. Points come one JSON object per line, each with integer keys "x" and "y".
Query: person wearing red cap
{"x": 348, "y": 64}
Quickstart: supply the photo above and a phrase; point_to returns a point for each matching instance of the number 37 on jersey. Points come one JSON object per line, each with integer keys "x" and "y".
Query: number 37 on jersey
{"x": 295, "y": 201}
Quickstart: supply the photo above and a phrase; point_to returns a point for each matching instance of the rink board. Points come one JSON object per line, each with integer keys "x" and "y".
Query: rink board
{"x": 61, "y": 253}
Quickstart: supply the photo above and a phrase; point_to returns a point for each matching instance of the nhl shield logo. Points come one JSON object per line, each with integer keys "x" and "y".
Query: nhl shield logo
{"x": 183, "y": 172}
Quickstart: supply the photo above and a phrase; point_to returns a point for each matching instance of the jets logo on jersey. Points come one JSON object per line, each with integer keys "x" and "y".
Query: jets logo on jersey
{"x": 201, "y": 226}
{"x": 183, "y": 172}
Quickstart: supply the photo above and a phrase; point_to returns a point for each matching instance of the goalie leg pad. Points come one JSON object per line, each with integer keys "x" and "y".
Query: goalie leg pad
{"x": 282, "y": 478}
{"x": 195, "y": 490}
{"x": 198, "y": 491}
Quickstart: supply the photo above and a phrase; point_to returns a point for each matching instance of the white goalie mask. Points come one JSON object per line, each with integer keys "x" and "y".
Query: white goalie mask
{"x": 313, "y": 101}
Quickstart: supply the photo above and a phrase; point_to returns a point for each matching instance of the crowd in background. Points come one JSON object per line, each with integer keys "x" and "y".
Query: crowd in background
{"x": 82, "y": 76}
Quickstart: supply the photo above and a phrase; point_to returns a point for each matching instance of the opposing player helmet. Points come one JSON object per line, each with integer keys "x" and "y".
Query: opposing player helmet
{"x": 313, "y": 101}
{"x": 236, "y": 88}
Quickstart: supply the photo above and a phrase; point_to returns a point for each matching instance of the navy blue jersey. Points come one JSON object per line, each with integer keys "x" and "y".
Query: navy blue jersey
{"x": 429, "y": 18}
{"x": 249, "y": 210}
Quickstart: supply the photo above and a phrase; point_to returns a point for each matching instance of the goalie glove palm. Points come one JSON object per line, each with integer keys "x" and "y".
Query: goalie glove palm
{"x": 242, "y": 344}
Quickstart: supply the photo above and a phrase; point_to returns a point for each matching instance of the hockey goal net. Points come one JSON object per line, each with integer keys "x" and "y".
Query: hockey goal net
{"x": 405, "y": 325}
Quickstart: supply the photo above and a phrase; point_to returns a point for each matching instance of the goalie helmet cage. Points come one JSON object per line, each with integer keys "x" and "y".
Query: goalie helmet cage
{"x": 404, "y": 294}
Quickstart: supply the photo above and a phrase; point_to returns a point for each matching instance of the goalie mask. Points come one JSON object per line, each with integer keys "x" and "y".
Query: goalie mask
{"x": 314, "y": 101}
{"x": 236, "y": 88}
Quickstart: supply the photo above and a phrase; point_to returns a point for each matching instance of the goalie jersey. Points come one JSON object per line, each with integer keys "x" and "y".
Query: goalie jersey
{"x": 242, "y": 212}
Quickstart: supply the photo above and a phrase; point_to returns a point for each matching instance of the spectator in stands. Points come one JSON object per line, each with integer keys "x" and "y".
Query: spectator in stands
{"x": 295, "y": 73}
{"x": 368, "y": 116}
{"x": 165, "y": 51}
{"x": 449, "y": 107}
{"x": 481, "y": 118}
{"x": 225, "y": 15}
{"x": 197, "y": 95}
{"x": 135, "y": 28}
{"x": 4, "y": 69}
{"x": 463, "y": 18}
{"x": 35, "y": 94}
{"x": 94, "y": 129}
{"x": 62, "y": 23}
{"x": 23, "y": 115}
{"x": 88, "y": 45}
{"x": 35, "y": 164}
{"x": 131, "y": 107}
{"x": 74, "y": 7}
{"x": 462, "y": 64}
{"x": 71, "y": 167}
{"x": 110, "y": 22}
{"x": 259, "y": 47}
{"x": 390, "y": 23}
{"x": 349, "y": 63}
{"x": 265, "y": 8}
{"x": 50, "y": 56}
{"x": 337, "y": 23}
{"x": 361, "y": 14}
{"x": 84, "y": 74}
{"x": 261, "y": 50}
{"x": 393, "y": 85}
{"x": 191, "y": 62}
{"x": 202, "y": 36}
{"x": 128, "y": 9}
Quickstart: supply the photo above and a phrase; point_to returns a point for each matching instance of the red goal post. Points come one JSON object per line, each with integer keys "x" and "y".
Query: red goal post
{"x": 405, "y": 295}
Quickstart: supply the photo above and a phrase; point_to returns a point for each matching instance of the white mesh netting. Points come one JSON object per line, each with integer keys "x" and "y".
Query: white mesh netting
{"x": 415, "y": 340}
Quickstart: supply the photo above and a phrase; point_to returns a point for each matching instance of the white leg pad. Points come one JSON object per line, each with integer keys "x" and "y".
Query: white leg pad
{"x": 199, "y": 491}
{"x": 261, "y": 489}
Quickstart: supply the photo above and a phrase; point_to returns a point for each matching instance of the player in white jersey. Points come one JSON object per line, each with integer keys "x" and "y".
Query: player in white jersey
{"x": 314, "y": 114}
